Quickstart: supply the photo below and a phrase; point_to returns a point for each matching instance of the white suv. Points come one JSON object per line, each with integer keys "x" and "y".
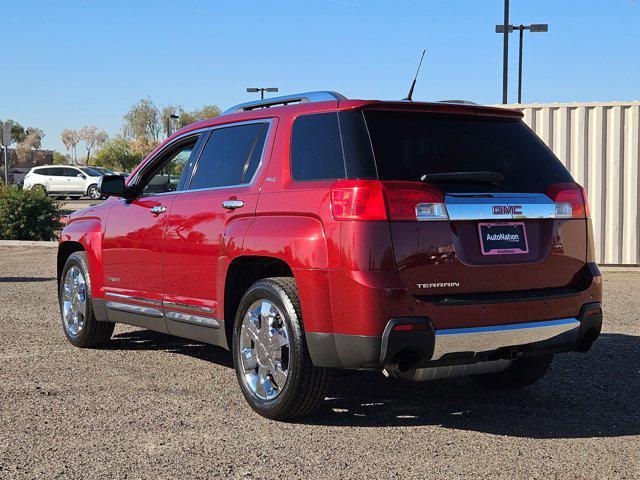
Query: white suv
{"x": 64, "y": 181}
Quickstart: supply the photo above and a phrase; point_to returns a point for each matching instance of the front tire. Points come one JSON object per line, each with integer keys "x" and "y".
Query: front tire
{"x": 76, "y": 305}
{"x": 520, "y": 374}
{"x": 270, "y": 354}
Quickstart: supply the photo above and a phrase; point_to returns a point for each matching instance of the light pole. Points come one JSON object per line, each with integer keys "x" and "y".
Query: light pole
{"x": 174, "y": 116}
{"x": 505, "y": 51}
{"x": 534, "y": 27}
{"x": 262, "y": 90}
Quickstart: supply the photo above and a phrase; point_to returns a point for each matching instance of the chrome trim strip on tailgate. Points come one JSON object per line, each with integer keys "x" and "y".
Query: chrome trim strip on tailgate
{"x": 478, "y": 206}
{"x": 487, "y": 339}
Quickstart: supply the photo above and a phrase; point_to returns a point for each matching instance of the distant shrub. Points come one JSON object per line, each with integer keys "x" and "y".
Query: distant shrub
{"x": 28, "y": 215}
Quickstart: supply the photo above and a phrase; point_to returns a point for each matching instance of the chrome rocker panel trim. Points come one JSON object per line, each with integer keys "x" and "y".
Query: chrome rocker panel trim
{"x": 164, "y": 311}
{"x": 190, "y": 318}
{"x": 486, "y": 339}
{"x": 138, "y": 309}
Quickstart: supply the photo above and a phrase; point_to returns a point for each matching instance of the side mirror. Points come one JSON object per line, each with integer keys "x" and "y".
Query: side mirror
{"x": 81, "y": 176}
{"x": 112, "y": 185}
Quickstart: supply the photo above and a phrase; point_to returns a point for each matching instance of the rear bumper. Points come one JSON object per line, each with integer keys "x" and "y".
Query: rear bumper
{"x": 413, "y": 341}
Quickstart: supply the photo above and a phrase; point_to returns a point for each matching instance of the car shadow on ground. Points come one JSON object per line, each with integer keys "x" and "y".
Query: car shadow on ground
{"x": 596, "y": 394}
{"x": 150, "y": 340}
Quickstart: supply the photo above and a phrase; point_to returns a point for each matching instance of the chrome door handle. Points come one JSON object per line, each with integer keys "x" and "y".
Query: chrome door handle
{"x": 158, "y": 209}
{"x": 232, "y": 204}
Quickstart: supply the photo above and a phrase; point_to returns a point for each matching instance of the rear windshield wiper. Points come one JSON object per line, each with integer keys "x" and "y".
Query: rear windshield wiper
{"x": 494, "y": 178}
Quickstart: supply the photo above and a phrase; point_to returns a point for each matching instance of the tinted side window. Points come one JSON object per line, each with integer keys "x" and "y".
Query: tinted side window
{"x": 256, "y": 155}
{"x": 225, "y": 158}
{"x": 57, "y": 171}
{"x": 71, "y": 172}
{"x": 316, "y": 148}
{"x": 42, "y": 171}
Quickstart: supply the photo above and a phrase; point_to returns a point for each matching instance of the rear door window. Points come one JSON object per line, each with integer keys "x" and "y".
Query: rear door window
{"x": 230, "y": 156}
{"x": 316, "y": 148}
{"x": 408, "y": 145}
{"x": 57, "y": 171}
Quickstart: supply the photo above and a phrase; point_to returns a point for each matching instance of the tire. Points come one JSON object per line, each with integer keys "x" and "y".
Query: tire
{"x": 520, "y": 374}
{"x": 94, "y": 193}
{"x": 92, "y": 333}
{"x": 305, "y": 384}
{"x": 40, "y": 189}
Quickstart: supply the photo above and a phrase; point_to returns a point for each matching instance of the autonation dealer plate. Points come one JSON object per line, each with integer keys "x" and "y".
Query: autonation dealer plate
{"x": 505, "y": 238}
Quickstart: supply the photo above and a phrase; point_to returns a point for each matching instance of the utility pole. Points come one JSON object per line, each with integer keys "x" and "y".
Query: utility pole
{"x": 505, "y": 52}
{"x": 6, "y": 141}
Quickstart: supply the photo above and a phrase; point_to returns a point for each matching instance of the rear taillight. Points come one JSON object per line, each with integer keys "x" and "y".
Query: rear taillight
{"x": 357, "y": 200}
{"x": 571, "y": 200}
{"x": 375, "y": 200}
{"x": 411, "y": 201}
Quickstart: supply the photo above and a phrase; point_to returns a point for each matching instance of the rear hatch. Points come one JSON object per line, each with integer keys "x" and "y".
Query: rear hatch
{"x": 511, "y": 218}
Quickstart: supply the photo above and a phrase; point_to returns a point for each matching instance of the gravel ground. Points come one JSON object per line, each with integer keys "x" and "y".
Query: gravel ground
{"x": 155, "y": 406}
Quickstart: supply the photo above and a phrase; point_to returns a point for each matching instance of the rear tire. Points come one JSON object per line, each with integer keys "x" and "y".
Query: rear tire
{"x": 40, "y": 189}
{"x": 94, "y": 193}
{"x": 304, "y": 387}
{"x": 520, "y": 374}
{"x": 76, "y": 305}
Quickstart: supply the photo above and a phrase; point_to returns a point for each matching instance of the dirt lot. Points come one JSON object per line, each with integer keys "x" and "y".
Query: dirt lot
{"x": 154, "y": 406}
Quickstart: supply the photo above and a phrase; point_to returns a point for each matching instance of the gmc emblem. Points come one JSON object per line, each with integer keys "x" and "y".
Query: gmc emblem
{"x": 507, "y": 209}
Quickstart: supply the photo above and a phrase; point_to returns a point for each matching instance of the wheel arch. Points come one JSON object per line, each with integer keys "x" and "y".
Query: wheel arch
{"x": 84, "y": 234}
{"x": 241, "y": 273}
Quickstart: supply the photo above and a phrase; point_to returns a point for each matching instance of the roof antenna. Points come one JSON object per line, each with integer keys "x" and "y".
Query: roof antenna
{"x": 413, "y": 84}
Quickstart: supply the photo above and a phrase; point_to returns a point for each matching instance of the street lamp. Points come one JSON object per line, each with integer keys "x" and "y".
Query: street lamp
{"x": 262, "y": 90}
{"x": 534, "y": 27}
{"x": 171, "y": 116}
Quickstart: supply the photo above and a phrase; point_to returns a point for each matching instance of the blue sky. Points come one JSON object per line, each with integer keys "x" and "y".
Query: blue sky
{"x": 70, "y": 63}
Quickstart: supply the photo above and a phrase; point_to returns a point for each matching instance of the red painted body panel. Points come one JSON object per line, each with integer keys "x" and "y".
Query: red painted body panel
{"x": 133, "y": 247}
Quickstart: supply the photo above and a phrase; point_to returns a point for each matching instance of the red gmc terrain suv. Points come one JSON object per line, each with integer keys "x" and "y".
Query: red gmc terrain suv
{"x": 311, "y": 232}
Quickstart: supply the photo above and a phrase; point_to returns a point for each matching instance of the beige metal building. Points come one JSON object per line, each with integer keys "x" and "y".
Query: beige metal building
{"x": 600, "y": 144}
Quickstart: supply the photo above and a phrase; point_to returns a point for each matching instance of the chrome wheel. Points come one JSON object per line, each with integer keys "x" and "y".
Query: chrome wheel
{"x": 74, "y": 301}
{"x": 264, "y": 350}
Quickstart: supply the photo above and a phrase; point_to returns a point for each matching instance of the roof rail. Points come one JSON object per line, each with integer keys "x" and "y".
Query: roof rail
{"x": 307, "y": 97}
{"x": 458, "y": 102}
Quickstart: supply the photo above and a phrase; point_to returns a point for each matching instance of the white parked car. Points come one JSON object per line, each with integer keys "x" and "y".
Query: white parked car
{"x": 63, "y": 181}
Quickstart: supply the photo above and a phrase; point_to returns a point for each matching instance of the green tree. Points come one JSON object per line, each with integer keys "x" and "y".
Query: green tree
{"x": 18, "y": 132}
{"x": 61, "y": 159}
{"x": 143, "y": 120}
{"x": 117, "y": 154}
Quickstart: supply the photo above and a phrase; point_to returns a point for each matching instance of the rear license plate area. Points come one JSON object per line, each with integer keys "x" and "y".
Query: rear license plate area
{"x": 503, "y": 238}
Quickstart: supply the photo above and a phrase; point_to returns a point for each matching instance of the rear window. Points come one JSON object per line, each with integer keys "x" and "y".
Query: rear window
{"x": 408, "y": 145}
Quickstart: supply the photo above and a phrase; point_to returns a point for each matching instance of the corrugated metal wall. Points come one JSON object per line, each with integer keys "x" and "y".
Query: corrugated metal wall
{"x": 599, "y": 144}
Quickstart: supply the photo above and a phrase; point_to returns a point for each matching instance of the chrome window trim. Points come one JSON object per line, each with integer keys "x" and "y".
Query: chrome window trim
{"x": 268, "y": 121}
{"x": 479, "y": 206}
{"x": 137, "y": 309}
